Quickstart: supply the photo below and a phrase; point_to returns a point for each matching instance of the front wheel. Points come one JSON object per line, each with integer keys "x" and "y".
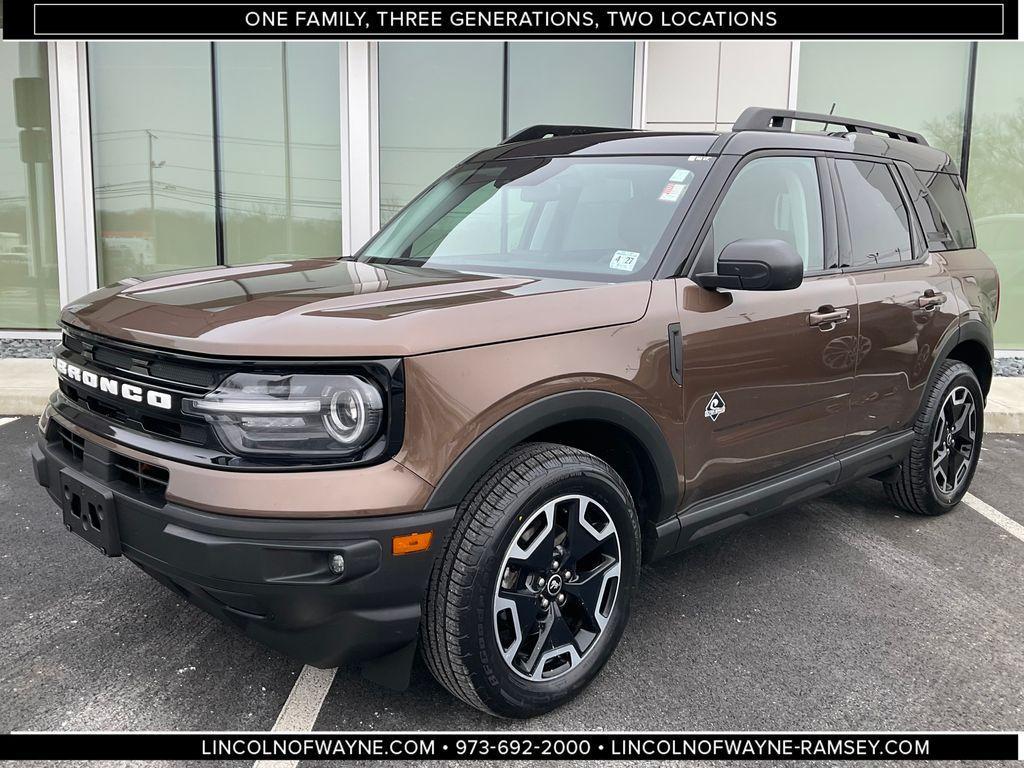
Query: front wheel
{"x": 946, "y": 447}
{"x": 531, "y": 594}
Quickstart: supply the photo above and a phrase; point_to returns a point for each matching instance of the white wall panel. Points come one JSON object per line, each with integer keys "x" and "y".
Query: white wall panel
{"x": 752, "y": 73}
{"x": 682, "y": 81}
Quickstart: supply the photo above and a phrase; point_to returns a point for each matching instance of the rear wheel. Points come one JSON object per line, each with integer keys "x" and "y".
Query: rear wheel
{"x": 947, "y": 444}
{"x": 532, "y": 592}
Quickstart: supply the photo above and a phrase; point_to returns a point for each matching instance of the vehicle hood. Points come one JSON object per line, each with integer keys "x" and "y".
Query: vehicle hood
{"x": 340, "y": 308}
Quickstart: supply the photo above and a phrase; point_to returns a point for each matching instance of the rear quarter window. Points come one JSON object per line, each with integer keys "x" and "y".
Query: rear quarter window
{"x": 940, "y": 204}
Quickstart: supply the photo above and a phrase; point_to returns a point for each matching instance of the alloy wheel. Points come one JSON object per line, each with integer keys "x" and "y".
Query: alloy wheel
{"x": 556, "y": 587}
{"x": 954, "y": 440}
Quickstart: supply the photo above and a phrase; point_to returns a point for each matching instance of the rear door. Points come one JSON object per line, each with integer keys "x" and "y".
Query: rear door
{"x": 904, "y": 293}
{"x": 766, "y": 376}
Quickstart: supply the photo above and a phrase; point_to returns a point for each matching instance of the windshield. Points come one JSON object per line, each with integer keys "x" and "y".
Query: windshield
{"x": 594, "y": 218}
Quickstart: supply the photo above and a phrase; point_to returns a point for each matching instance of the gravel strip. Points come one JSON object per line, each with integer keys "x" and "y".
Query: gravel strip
{"x": 1009, "y": 366}
{"x": 1004, "y": 366}
{"x": 27, "y": 347}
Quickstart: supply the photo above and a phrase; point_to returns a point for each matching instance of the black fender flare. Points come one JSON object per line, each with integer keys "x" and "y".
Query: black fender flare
{"x": 968, "y": 330}
{"x": 550, "y": 411}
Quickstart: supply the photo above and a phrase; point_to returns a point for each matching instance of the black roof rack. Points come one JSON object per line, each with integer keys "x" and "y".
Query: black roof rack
{"x": 543, "y": 131}
{"x": 765, "y": 119}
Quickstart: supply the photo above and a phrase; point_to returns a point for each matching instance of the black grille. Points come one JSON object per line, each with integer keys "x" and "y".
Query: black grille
{"x": 147, "y": 479}
{"x": 142, "y": 478}
{"x": 184, "y": 374}
{"x": 112, "y": 358}
{"x": 145, "y": 368}
{"x": 73, "y": 444}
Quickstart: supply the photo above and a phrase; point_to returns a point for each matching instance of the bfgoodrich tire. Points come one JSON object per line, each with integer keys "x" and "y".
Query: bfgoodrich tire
{"x": 531, "y": 594}
{"x": 947, "y": 444}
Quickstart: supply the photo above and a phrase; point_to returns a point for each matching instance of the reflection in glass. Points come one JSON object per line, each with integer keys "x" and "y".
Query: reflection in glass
{"x": 995, "y": 184}
{"x": 29, "y": 296}
{"x": 920, "y": 86}
{"x": 438, "y": 102}
{"x": 775, "y": 198}
{"x": 595, "y": 218}
{"x": 280, "y": 153}
{"x": 878, "y": 220}
{"x": 152, "y": 148}
{"x": 571, "y": 83}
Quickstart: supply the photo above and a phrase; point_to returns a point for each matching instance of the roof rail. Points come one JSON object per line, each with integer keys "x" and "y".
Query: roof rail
{"x": 766, "y": 119}
{"x": 543, "y": 131}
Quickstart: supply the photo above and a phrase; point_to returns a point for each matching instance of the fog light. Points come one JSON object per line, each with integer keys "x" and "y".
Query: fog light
{"x": 337, "y": 564}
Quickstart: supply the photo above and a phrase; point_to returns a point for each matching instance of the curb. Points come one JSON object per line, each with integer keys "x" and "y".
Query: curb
{"x": 1004, "y": 408}
{"x": 26, "y": 384}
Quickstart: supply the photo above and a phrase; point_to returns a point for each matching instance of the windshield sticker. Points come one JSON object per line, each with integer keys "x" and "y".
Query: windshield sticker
{"x": 624, "y": 260}
{"x": 672, "y": 192}
{"x": 681, "y": 175}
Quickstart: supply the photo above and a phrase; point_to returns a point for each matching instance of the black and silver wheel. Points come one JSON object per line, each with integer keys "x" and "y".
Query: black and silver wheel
{"x": 531, "y": 594}
{"x": 557, "y": 587}
{"x": 946, "y": 447}
{"x": 954, "y": 441}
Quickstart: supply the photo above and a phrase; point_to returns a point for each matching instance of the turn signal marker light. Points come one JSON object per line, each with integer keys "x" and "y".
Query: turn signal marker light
{"x": 411, "y": 542}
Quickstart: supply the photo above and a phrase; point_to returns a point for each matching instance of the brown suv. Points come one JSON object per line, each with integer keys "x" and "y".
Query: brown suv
{"x": 577, "y": 351}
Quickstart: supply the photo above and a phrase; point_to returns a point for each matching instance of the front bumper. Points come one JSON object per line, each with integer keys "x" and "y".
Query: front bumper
{"x": 268, "y": 576}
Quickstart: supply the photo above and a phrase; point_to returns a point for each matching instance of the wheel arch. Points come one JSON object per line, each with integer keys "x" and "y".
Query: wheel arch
{"x": 971, "y": 345}
{"x": 610, "y": 426}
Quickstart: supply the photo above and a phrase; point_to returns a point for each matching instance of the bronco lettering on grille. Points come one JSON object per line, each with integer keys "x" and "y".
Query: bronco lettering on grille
{"x": 131, "y": 392}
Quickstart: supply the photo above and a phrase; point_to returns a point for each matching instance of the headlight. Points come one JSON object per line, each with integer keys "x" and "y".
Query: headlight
{"x": 293, "y": 416}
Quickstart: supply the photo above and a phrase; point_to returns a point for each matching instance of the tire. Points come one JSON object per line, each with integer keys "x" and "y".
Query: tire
{"x": 475, "y": 640}
{"x": 926, "y": 483}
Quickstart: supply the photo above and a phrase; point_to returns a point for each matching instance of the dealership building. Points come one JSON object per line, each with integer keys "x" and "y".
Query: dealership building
{"x": 122, "y": 159}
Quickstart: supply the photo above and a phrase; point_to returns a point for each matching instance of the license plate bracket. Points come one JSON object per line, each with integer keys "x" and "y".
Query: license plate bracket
{"x": 90, "y": 511}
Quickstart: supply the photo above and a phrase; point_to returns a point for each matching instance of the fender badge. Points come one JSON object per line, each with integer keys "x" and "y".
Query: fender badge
{"x": 716, "y": 407}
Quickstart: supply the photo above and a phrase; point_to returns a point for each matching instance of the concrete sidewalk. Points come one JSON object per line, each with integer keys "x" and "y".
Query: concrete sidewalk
{"x": 26, "y": 384}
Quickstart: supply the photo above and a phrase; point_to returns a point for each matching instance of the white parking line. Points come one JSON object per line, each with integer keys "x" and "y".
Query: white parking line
{"x": 6, "y": 420}
{"x": 300, "y": 710}
{"x": 1009, "y": 525}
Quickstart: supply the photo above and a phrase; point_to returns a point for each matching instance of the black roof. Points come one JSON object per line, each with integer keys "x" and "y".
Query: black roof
{"x": 748, "y": 135}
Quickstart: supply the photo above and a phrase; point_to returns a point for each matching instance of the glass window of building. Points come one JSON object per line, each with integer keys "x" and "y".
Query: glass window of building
{"x": 920, "y": 86}
{"x": 29, "y": 296}
{"x": 152, "y": 148}
{"x": 280, "y": 149}
{"x": 584, "y": 83}
{"x": 995, "y": 183}
{"x": 438, "y": 103}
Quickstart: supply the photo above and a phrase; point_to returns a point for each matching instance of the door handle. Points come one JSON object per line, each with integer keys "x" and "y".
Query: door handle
{"x": 931, "y": 299}
{"x": 826, "y": 317}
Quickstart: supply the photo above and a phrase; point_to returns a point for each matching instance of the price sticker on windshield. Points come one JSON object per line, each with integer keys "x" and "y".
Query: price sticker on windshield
{"x": 672, "y": 192}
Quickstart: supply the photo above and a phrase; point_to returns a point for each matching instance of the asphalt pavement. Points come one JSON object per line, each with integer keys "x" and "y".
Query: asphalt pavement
{"x": 839, "y": 614}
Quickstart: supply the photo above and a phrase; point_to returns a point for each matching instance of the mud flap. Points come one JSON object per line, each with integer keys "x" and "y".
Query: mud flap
{"x": 393, "y": 670}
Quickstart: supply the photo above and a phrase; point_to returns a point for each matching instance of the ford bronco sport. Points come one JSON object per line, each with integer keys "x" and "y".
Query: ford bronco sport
{"x": 577, "y": 351}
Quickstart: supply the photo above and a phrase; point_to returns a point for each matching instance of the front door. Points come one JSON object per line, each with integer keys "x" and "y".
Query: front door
{"x": 767, "y": 375}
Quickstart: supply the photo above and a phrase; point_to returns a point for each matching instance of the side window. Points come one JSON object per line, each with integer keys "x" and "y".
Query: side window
{"x": 878, "y": 217}
{"x": 946, "y": 194}
{"x": 776, "y": 198}
{"x": 937, "y": 231}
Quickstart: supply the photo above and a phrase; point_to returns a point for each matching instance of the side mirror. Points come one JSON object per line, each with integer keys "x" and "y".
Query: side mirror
{"x": 756, "y": 265}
